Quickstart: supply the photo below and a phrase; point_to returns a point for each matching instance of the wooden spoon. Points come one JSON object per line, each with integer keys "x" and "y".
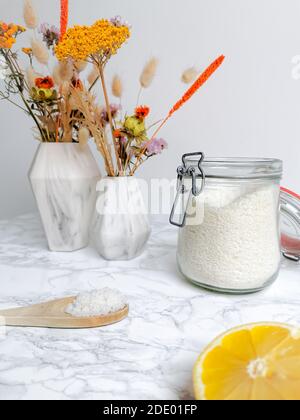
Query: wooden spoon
{"x": 52, "y": 315}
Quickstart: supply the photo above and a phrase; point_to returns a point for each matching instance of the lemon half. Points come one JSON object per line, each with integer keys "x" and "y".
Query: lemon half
{"x": 252, "y": 362}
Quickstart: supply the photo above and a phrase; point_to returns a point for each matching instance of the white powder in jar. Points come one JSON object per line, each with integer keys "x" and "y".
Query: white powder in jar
{"x": 236, "y": 247}
{"x": 97, "y": 303}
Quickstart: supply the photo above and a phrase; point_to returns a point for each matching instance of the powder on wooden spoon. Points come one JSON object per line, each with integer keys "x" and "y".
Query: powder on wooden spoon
{"x": 97, "y": 303}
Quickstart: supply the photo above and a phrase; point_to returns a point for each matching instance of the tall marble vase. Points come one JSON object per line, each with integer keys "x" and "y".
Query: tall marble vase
{"x": 64, "y": 177}
{"x": 121, "y": 225}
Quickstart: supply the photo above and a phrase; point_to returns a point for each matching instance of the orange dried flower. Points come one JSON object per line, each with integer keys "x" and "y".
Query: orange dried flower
{"x": 12, "y": 30}
{"x": 4, "y": 26}
{"x": 142, "y": 112}
{"x": 44, "y": 82}
{"x": 8, "y": 34}
{"x": 117, "y": 134}
{"x": 7, "y": 43}
{"x": 190, "y": 92}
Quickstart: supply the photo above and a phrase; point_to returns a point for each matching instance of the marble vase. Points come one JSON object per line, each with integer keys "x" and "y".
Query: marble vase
{"x": 63, "y": 177}
{"x": 121, "y": 226}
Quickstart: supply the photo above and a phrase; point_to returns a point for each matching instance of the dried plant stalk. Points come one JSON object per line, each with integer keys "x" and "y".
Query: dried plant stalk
{"x": 204, "y": 77}
{"x": 105, "y": 93}
{"x": 198, "y": 84}
{"x": 65, "y": 118}
{"x": 30, "y": 15}
{"x": 85, "y": 103}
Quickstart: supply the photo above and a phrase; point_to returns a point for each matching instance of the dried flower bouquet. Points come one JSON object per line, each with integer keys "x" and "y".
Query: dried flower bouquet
{"x": 46, "y": 98}
{"x": 64, "y": 106}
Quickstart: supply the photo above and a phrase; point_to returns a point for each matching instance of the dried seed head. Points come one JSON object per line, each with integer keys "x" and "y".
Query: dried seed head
{"x": 31, "y": 75}
{"x": 83, "y": 136}
{"x": 65, "y": 88}
{"x": 72, "y": 103}
{"x": 30, "y": 16}
{"x": 117, "y": 87}
{"x": 93, "y": 76}
{"x": 149, "y": 73}
{"x": 189, "y": 75}
{"x": 40, "y": 51}
{"x": 65, "y": 70}
{"x": 56, "y": 76}
{"x": 80, "y": 66}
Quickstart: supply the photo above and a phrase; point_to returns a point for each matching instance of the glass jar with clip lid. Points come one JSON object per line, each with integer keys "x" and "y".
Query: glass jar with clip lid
{"x": 228, "y": 212}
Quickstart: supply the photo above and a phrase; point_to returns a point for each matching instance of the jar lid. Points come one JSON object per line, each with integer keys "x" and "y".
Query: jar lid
{"x": 290, "y": 224}
{"x": 239, "y": 168}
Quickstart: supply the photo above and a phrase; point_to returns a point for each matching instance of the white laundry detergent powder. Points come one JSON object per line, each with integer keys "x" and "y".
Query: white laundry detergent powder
{"x": 236, "y": 246}
{"x": 97, "y": 303}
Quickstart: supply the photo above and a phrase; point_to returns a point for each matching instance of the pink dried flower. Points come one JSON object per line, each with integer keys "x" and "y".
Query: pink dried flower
{"x": 114, "y": 109}
{"x": 119, "y": 21}
{"x": 50, "y": 34}
{"x": 157, "y": 146}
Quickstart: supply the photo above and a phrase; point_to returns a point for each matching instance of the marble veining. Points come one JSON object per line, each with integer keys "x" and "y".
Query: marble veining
{"x": 63, "y": 178}
{"x": 148, "y": 356}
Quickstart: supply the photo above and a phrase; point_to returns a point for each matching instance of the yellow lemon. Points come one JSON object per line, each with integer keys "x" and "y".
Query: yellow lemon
{"x": 252, "y": 362}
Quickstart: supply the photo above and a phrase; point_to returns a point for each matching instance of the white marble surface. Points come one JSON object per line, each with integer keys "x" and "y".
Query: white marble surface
{"x": 148, "y": 356}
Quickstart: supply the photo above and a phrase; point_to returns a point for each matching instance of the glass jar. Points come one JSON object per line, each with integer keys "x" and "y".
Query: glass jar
{"x": 290, "y": 226}
{"x": 229, "y": 219}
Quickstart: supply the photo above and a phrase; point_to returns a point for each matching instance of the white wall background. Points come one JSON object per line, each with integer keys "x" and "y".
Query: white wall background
{"x": 251, "y": 108}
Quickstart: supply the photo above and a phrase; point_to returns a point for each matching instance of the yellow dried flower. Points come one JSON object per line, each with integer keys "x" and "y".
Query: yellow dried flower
{"x": 102, "y": 39}
{"x": 27, "y": 51}
{"x": 21, "y": 29}
{"x": 43, "y": 95}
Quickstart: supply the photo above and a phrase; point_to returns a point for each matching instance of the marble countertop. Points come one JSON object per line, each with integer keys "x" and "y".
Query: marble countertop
{"x": 148, "y": 356}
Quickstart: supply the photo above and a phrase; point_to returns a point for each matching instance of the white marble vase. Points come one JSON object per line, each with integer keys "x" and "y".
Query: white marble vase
{"x": 63, "y": 177}
{"x": 121, "y": 225}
